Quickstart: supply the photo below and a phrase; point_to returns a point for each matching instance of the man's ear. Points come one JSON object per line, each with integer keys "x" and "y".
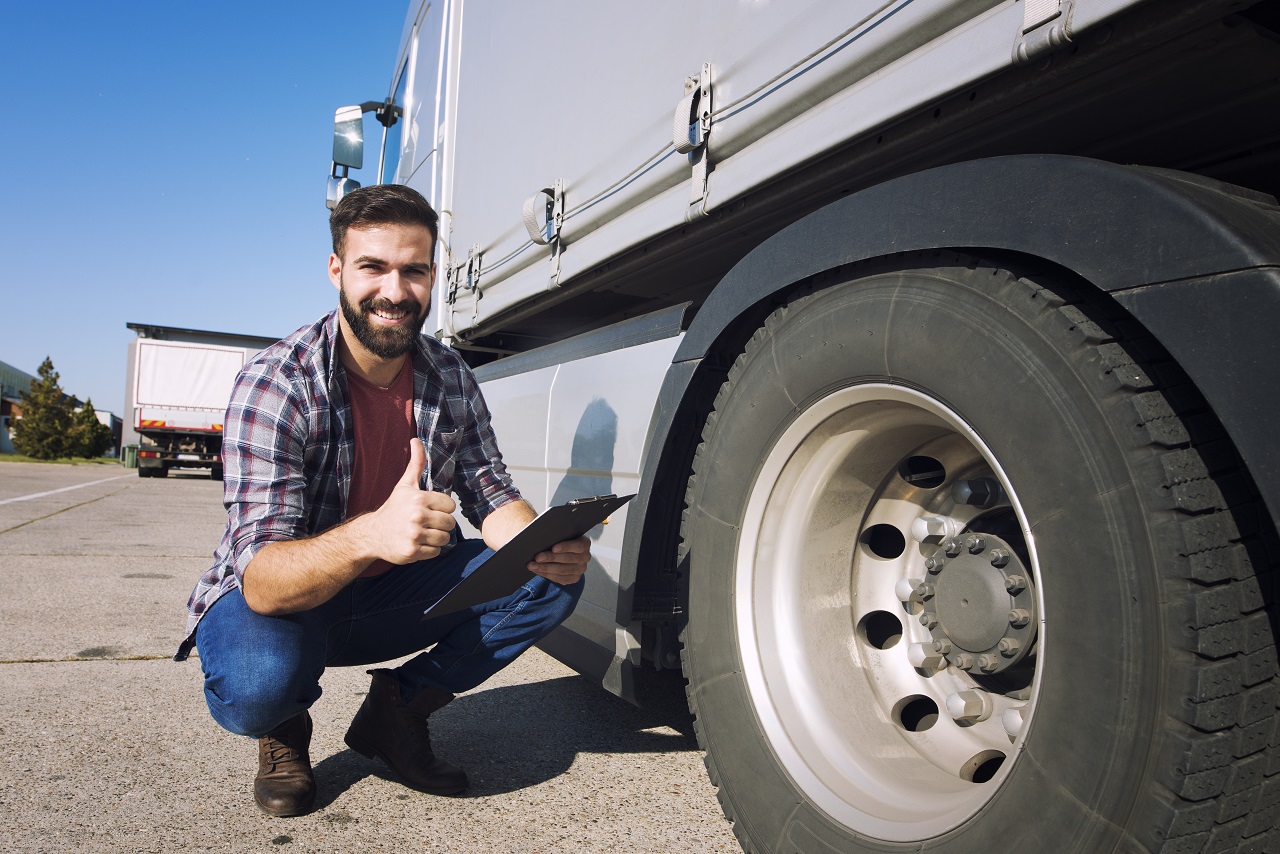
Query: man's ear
{"x": 335, "y": 270}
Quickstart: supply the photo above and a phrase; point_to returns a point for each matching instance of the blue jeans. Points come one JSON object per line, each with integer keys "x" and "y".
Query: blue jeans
{"x": 261, "y": 671}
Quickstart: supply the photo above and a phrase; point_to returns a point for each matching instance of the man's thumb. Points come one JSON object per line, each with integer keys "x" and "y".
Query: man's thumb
{"x": 417, "y": 464}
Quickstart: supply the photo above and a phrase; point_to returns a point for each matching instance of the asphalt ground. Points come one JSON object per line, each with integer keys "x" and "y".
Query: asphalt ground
{"x": 107, "y": 745}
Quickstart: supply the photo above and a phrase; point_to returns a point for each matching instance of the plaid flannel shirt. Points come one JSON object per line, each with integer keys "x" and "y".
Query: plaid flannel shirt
{"x": 288, "y": 448}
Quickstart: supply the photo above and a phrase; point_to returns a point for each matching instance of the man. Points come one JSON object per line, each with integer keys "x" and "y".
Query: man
{"x": 342, "y": 443}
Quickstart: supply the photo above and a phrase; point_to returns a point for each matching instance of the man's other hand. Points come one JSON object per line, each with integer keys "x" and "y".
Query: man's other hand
{"x": 563, "y": 563}
{"x": 413, "y": 524}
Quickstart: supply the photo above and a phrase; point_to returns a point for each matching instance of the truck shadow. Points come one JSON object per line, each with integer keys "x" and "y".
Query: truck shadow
{"x": 514, "y": 737}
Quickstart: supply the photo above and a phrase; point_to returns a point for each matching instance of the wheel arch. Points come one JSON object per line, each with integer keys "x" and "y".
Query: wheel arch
{"x": 1156, "y": 240}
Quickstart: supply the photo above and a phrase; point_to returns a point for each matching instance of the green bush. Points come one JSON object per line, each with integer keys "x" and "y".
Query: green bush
{"x": 88, "y": 437}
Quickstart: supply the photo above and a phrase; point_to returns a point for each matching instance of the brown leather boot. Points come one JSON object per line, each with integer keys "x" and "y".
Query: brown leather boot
{"x": 284, "y": 785}
{"x": 397, "y": 733}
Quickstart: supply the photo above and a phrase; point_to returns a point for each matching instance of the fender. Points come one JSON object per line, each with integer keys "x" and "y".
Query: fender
{"x": 1195, "y": 261}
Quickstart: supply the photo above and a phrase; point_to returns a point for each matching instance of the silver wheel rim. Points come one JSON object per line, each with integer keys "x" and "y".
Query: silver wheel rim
{"x": 818, "y": 594}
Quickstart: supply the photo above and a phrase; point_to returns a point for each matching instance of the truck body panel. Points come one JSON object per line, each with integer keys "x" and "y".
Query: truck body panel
{"x": 674, "y": 243}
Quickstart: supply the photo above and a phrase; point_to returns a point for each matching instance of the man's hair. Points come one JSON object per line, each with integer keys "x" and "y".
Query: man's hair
{"x": 381, "y": 204}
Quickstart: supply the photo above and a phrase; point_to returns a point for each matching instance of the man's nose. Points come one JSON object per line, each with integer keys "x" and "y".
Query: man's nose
{"x": 394, "y": 287}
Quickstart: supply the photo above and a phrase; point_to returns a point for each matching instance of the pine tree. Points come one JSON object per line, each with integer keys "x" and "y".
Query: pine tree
{"x": 88, "y": 437}
{"x": 42, "y": 431}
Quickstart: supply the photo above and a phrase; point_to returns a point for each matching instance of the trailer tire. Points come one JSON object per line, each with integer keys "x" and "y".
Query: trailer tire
{"x": 215, "y": 473}
{"x": 1133, "y": 709}
{"x": 144, "y": 472}
{"x": 162, "y": 471}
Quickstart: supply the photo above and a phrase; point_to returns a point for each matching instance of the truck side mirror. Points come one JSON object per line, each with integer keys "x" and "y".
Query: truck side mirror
{"x": 348, "y": 153}
{"x": 339, "y": 186}
{"x": 348, "y": 137}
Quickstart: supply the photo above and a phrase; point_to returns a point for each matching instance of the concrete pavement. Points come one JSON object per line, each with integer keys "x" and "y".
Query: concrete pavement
{"x": 108, "y": 746}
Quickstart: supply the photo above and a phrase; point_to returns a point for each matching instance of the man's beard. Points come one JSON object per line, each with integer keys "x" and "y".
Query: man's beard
{"x": 384, "y": 342}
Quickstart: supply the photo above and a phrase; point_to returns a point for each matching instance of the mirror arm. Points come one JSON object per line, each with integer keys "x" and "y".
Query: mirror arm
{"x": 386, "y": 111}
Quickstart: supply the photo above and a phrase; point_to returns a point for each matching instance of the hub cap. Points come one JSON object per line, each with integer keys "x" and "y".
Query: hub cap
{"x": 888, "y": 612}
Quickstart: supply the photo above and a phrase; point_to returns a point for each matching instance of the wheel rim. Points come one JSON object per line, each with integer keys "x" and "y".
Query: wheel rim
{"x": 864, "y": 702}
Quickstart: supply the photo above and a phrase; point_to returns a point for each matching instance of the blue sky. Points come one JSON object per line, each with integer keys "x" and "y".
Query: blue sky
{"x": 165, "y": 163}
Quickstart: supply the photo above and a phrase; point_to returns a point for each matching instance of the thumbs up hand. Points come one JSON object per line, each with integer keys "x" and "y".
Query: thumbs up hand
{"x": 412, "y": 524}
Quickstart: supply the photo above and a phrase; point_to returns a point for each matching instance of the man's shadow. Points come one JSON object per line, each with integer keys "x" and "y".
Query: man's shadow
{"x": 491, "y": 733}
{"x": 503, "y": 748}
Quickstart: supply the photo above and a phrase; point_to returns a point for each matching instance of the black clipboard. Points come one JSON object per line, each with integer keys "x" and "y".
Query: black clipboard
{"x": 506, "y": 569}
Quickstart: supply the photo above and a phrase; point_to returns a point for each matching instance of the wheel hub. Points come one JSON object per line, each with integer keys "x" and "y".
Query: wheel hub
{"x": 978, "y": 603}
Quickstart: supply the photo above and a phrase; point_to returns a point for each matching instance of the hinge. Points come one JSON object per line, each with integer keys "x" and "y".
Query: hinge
{"x": 691, "y": 130}
{"x": 544, "y": 219}
{"x": 1046, "y": 26}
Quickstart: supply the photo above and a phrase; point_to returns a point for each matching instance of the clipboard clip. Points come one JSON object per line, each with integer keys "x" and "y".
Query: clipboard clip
{"x": 576, "y": 501}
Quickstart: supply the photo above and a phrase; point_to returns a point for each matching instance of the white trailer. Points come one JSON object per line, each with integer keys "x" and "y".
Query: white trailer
{"x": 937, "y": 339}
{"x": 179, "y": 397}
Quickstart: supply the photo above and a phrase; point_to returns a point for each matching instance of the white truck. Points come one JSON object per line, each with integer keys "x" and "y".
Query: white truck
{"x": 938, "y": 340}
{"x": 179, "y": 396}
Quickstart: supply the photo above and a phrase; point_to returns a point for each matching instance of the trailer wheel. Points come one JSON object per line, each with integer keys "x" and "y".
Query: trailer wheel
{"x": 215, "y": 473}
{"x": 162, "y": 471}
{"x": 144, "y": 472}
{"x": 958, "y": 581}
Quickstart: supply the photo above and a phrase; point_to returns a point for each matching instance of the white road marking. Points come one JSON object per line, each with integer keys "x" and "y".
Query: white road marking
{"x": 63, "y": 489}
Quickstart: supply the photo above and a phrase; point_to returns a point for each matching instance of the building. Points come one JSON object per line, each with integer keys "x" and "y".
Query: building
{"x": 13, "y": 383}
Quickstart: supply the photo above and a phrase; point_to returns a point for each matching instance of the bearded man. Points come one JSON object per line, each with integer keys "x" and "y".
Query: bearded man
{"x": 342, "y": 444}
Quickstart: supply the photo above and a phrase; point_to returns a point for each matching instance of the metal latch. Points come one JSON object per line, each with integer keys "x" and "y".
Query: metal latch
{"x": 1046, "y": 26}
{"x": 465, "y": 274}
{"x": 544, "y": 218}
{"x": 692, "y": 128}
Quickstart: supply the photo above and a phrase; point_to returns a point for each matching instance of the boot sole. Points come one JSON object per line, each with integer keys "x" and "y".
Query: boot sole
{"x": 368, "y": 751}
{"x": 287, "y": 813}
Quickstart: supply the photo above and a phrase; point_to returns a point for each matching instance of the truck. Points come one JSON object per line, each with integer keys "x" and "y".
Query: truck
{"x": 179, "y": 396}
{"x": 937, "y": 340}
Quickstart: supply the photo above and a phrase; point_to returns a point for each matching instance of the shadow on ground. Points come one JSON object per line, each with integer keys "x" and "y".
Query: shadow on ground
{"x": 514, "y": 737}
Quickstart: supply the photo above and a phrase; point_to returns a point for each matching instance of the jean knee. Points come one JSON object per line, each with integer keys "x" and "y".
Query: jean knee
{"x": 257, "y": 699}
{"x": 559, "y": 600}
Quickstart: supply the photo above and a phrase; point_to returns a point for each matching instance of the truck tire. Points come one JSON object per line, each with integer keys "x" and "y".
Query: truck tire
{"x": 959, "y": 580}
{"x": 215, "y": 473}
{"x": 143, "y": 471}
{"x": 162, "y": 471}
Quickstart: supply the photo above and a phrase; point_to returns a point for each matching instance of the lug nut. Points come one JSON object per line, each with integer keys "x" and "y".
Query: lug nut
{"x": 933, "y": 529}
{"x": 1015, "y": 584}
{"x": 934, "y": 563}
{"x": 979, "y": 492}
{"x": 974, "y": 544}
{"x": 942, "y": 645}
{"x": 951, "y": 546}
{"x": 1019, "y": 617}
{"x": 922, "y": 656}
{"x": 999, "y": 557}
{"x": 1011, "y": 720}
{"x": 1009, "y": 647}
{"x": 924, "y": 591}
{"x": 988, "y": 663}
{"x": 928, "y": 620}
{"x": 969, "y": 707}
{"x": 964, "y": 661}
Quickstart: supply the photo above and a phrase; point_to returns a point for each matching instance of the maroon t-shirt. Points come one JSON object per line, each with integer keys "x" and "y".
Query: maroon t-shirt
{"x": 382, "y": 420}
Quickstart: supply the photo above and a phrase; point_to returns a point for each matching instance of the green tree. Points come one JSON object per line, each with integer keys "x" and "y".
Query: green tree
{"x": 88, "y": 437}
{"x": 42, "y": 431}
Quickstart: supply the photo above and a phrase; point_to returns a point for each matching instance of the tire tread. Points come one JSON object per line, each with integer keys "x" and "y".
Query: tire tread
{"x": 1220, "y": 765}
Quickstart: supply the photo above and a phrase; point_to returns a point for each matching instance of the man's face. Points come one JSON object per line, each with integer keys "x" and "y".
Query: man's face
{"x": 384, "y": 286}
